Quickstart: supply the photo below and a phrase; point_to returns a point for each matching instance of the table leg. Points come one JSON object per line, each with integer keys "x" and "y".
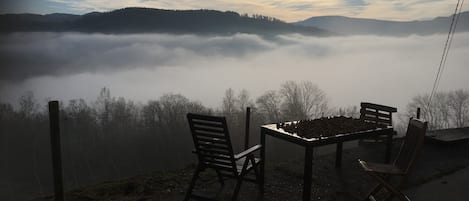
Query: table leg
{"x": 338, "y": 155}
{"x": 262, "y": 164}
{"x": 389, "y": 146}
{"x": 308, "y": 173}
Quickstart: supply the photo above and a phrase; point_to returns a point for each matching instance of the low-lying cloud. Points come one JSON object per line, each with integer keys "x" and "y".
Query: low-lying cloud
{"x": 388, "y": 70}
{"x": 26, "y": 55}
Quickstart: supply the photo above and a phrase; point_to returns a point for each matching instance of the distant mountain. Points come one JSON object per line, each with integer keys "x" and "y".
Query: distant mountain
{"x": 147, "y": 20}
{"x": 359, "y": 26}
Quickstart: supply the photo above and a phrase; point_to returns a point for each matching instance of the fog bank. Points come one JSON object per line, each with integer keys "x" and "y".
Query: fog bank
{"x": 386, "y": 70}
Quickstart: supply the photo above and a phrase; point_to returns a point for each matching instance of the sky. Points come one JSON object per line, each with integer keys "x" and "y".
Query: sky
{"x": 287, "y": 10}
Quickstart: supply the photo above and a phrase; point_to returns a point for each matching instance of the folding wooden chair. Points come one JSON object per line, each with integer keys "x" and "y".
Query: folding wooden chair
{"x": 214, "y": 150}
{"x": 402, "y": 165}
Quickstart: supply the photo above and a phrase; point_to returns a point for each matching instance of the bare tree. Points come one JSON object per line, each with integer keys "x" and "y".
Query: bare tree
{"x": 28, "y": 105}
{"x": 269, "y": 104}
{"x": 243, "y": 100}
{"x": 103, "y": 106}
{"x": 351, "y": 111}
{"x": 229, "y": 102}
{"x": 446, "y": 110}
{"x": 303, "y": 100}
{"x": 459, "y": 104}
{"x": 150, "y": 114}
{"x": 426, "y": 110}
{"x": 441, "y": 110}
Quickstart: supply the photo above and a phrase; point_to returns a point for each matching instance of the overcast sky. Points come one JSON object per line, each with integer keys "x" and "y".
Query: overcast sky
{"x": 287, "y": 10}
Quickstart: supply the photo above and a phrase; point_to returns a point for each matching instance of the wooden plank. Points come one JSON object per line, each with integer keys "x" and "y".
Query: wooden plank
{"x": 211, "y": 139}
{"x": 220, "y": 167}
{"x": 216, "y": 156}
{"x": 209, "y": 124}
{"x": 386, "y": 115}
{"x": 377, "y": 106}
{"x": 216, "y": 151}
{"x": 217, "y": 161}
{"x": 205, "y": 118}
{"x": 376, "y": 120}
{"x": 209, "y": 135}
{"x": 213, "y": 146}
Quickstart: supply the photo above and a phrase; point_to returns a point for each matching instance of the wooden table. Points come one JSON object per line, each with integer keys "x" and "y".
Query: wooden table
{"x": 309, "y": 144}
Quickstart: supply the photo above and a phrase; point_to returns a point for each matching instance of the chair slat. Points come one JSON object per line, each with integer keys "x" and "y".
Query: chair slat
{"x": 216, "y": 151}
{"x": 211, "y": 146}
{"x": 210, "y": 135}
{"x": 216, "y": 141}
{"x": 218, "y": 131}
{"x": 217, "y": 161}
{"x": 375, "y": 113}
{"x": 378, "y": 107}
{"x": 219, "y": 167}
{"x": 208, "y": 124}
{"x": 375, "y": 120}
{"x": 215, "y": 156}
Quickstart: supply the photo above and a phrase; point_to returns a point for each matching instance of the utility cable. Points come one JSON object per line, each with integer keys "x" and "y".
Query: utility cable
{"x": 449, "y": 39}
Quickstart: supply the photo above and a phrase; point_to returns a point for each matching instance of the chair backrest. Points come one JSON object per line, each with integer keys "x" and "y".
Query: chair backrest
{"x": 212, "y": 142}
{"x": 374, "y": 113}
{"x": 413, "y": 142}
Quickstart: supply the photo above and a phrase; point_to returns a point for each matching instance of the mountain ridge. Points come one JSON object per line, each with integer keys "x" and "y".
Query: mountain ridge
{"x": 150, "y": 20}
{"x": 365, "y": 26}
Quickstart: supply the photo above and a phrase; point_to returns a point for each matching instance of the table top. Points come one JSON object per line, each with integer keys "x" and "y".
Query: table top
{"x": 273, "y": 130}
{"x": 449, "y": 136}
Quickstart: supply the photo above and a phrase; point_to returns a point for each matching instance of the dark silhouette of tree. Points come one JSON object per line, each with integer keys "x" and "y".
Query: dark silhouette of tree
{"x": 459, "y": 104}
{"x": 269, "y": 105}
{"x": 146, "y": 20}
{"x": 303, "y": 100}
{"x": 447, "y": 109}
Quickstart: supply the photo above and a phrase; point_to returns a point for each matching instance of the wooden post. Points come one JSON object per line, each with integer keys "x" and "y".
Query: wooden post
{"x": 56, "y": 152}
{"x": 246, "y": 137}
{"x": 338, "y": 155}
{"x": 418, "y": 113}
{"x": 308, "y": 173}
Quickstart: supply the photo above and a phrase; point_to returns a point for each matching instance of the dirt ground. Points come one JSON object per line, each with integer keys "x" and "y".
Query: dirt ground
{"x": 283, "y": 179}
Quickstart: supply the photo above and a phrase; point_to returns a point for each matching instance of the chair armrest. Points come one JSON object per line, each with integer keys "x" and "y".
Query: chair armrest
{"x": 247, "y": 151}
{"x": 381, "y": 168}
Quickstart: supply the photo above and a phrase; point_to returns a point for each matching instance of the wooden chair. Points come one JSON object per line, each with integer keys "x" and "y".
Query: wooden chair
{"x": 214, "y": 151}
{"x": 378, "y": 114}
{"x": 402, "y": 165}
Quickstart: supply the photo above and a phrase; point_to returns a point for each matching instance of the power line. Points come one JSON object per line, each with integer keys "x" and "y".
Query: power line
{"x": 449, "y": 39}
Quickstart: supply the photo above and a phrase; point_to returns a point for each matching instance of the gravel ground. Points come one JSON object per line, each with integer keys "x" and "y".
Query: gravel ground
{"x": 283, "y": 178}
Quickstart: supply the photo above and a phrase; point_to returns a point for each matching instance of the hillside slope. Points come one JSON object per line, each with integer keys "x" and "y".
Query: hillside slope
{"x": 147, "y": 20}
{"x": 360, "y": 26}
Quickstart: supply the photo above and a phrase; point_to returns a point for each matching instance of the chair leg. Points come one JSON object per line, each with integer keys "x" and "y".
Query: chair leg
{"x": 192, "y": 183}
{"x": 258, "y": 179}
{"x": 220, "y": 178}
{"x": 389, "y": 197}
{"x": 372, "y": 192}
{"x": 391, "y": 189}
{"x": 236, "y": 190}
